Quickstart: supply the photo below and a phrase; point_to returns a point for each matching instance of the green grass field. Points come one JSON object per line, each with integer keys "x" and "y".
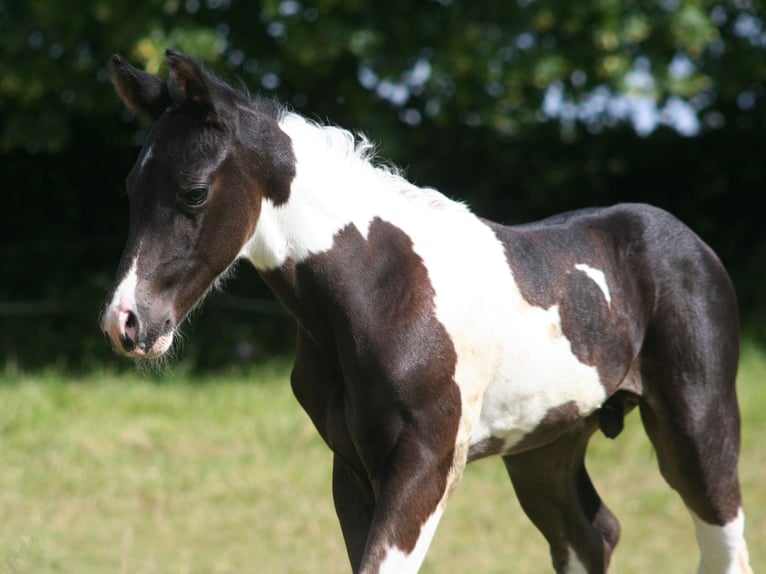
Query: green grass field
{"x": 129, "y": 474}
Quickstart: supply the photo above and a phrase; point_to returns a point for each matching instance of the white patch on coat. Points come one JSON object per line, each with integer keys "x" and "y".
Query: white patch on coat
{"x": 397, "y": 562}
{"x": 598, "y": 278}
{"x": 510, "y": 369}
{"x": 335, "y": 185}
{"x": 574, "y": 565}
{"x": 723, "y": 549}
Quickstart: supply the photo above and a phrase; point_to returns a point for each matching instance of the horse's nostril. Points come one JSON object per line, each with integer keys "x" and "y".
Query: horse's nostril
{"x": 129, "y": 335}
{"x": 127, "y": 343}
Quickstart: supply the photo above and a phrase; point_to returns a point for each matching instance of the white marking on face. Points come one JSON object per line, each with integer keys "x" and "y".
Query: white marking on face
{"x": 114, "y": 320}
{"x": 123, "y": 302}
{"x": 598, "y": 278}
{"x": 397, "y": 562}
{"x": 722, "y": 548}
{"x": 147, "y": 156}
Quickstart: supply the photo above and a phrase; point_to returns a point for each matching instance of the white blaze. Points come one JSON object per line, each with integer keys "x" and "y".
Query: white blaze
{"x": 123, "y": 301}
{"x": 116, "y": 315}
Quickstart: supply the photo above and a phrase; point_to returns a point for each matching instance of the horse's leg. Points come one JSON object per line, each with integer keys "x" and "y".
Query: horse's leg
{"x": 698, "y": 458}
{"x": 390, "y": 481}
{"x": 388, "y": 521}
{"x": 555, "y": 491}
{"x": 690, "y": 412}
{"x": 693, "y": 422}
{"x": 354, "y": 505}
{"x": 319, "y": 389}
{"x": 410, "y": 496}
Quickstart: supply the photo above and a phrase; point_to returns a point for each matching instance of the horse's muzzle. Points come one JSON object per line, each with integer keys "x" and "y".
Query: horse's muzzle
{"x": 131, "y": 337}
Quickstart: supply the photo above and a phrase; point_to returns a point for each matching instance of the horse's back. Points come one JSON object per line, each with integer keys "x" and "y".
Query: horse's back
{"x": 651, "y": 267}
{"x": 633, "y": 295}
{"x": 672, "y": 284}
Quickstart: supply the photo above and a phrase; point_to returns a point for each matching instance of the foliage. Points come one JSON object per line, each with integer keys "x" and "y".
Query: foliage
{"x": 488, "y": 63}
{"x": 521, "y": 107}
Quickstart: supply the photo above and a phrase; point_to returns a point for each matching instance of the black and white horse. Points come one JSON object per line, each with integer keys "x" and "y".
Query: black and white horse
{"x": 429, "y": 337}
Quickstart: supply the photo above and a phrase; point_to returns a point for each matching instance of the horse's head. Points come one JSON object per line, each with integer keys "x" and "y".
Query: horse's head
{"x": 195, "y": 194}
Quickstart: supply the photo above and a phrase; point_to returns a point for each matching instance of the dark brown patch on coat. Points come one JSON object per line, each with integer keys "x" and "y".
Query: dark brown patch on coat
{"x": 556, "y": 422}
{"x": 369, "y": 303}
{"x": 490, "y": 446}
{"x": 542, "y": 257}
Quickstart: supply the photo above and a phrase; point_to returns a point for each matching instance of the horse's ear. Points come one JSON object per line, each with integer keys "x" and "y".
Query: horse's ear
{"x": 145, "y": 94}
{"x": 190, "y": 80}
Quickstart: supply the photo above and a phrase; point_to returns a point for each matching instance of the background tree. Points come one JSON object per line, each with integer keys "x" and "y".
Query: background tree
{"x": 522, "y": 108}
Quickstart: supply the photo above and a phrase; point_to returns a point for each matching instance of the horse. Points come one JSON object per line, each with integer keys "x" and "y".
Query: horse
{"x": 428, "y": 337}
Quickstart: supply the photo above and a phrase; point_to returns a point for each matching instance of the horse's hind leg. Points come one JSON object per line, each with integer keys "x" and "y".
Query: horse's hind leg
{"x": 690, "y": 412}
{"x": 697, "y": 454}
{"x": 555, "y": 491}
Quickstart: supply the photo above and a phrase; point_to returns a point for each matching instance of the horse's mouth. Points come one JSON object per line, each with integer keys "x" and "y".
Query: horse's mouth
{"x": 158, "y": 348}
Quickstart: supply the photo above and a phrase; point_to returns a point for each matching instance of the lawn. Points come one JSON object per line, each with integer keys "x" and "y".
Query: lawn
{"x": 134, "y": 474}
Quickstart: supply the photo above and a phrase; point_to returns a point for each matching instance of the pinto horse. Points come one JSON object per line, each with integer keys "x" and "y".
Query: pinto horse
{"x": 429, "y": 337}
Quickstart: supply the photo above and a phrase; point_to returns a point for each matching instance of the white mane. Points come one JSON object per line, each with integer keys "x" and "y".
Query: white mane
{"x": 337, "y": 184}
{"x": 340, "y": 152}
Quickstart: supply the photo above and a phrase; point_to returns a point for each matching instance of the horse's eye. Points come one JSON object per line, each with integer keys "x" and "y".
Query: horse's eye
{"x": 195, "y": 196}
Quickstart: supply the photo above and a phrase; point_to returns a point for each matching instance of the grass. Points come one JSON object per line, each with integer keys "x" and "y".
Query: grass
{"x": 125, "y": 474}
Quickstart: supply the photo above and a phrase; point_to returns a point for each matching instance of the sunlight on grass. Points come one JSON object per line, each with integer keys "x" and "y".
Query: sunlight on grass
{"x": 129, "y": 474}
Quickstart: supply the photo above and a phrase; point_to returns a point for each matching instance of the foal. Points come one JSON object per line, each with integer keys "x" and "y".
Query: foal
{"x": 428, "y": 337}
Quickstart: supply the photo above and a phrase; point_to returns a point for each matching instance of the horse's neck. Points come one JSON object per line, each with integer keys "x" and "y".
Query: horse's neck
{"x": 347, "y": 222}
{"x": 334, "y": 186}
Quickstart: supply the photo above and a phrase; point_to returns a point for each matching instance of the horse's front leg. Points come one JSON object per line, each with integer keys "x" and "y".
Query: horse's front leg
{"x": 354, "y": 505}
{"x": 410, "y": 494}
{"x": 395, "y": 456}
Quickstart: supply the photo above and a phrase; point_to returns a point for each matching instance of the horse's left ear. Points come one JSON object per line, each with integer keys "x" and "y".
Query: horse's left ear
{"x": 191, "y": 81}
{"x": 145, "y": 94}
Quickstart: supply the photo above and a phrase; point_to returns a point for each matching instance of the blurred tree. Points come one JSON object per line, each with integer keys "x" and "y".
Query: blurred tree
{"x": 505, "y": 64}
{"x": 523, "y": 107}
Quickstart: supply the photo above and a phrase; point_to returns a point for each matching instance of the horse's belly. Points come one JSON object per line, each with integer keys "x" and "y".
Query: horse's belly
{"x": 535, "y": 387}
